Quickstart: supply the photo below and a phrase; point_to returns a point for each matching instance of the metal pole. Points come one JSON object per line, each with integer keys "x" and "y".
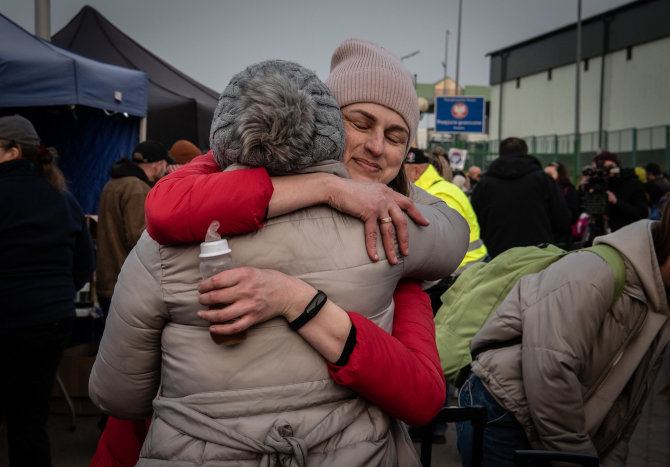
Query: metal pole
{"x": 43, "y": 19}
{"x": 503, "y": 76}
{"x": 601, "y": 135}
{"x": 446, "y": 50}
{"x": 578, "y": 61}
{"x": 458, "y": 46}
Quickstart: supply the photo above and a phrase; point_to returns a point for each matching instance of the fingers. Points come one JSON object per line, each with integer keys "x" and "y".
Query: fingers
{"x": 400, "y": 225}
{"x": 226, "y": 280}
{"x": 388, "y": 239}
{"x": 232, "y": 327}
{"x": 414, "y": 213}
{"x": 371, "y": 238}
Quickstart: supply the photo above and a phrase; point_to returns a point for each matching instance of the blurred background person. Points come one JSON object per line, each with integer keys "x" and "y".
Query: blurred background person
{"x": 440, "y": 160}
{"x": 121, "y": 212}
{"x": 587, "y": 363}
{"x": 559, "y": 172}
{"x": 474, "y": 175}
{"x": 656, "y": 189}
{"x": 461, "y": 180}
{"x": 424, "y": 175}
{"x": 626, "y": 200}
{"x": 517, "y": 204}
{"x": 46, "y": 256}
{"x": 183, "y": 152}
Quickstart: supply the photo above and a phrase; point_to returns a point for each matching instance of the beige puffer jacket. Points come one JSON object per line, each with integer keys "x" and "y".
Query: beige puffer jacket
{"x": 268, "y": 400}
{"x": 572, "y": 338}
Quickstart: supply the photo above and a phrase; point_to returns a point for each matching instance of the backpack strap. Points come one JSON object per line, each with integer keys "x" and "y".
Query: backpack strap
{"x": 612, "y": 256}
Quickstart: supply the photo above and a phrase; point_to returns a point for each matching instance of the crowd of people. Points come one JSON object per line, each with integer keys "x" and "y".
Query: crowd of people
{"x": 344, "y": 238}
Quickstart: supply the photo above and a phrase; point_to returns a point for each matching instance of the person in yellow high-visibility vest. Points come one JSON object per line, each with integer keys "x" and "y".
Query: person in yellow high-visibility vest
{"x": 421, "y": 172}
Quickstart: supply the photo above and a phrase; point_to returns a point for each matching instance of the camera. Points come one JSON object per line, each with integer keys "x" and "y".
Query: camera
{"x": 594, "y": 196}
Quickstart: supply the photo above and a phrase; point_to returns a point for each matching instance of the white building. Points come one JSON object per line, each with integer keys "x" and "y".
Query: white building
{"x": 624, "y": 85}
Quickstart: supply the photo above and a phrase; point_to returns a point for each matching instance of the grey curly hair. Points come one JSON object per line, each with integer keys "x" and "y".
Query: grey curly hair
{"x": 278, "y": 115}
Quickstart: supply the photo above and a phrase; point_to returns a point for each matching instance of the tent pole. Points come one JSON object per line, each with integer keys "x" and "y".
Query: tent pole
{"x": 143, "y": 129}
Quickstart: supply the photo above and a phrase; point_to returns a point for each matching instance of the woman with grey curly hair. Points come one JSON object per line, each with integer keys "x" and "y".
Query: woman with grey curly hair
{"x": 246, "y": 404}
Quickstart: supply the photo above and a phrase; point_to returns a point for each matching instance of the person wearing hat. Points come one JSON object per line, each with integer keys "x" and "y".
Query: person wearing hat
{"x": 183, "y": 152}
{"x": 377, "y": 139}
{"x": 421, "y": 172}
{"x": 46, "y": 256}
{"x": 121, "y": 211}
{"x": 626, "y": 199}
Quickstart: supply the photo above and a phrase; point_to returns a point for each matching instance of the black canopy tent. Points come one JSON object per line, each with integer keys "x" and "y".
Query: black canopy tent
{"x": 179, "y": 107}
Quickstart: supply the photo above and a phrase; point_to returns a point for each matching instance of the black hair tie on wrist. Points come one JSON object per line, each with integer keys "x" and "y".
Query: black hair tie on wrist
{"x": 311, "y": 310}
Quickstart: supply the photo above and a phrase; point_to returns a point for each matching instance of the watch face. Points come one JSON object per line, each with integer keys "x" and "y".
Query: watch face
{"x": 317, "y": 303}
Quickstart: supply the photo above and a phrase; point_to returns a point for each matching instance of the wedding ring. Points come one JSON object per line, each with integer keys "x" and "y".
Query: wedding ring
{"x": 385, "y": 220}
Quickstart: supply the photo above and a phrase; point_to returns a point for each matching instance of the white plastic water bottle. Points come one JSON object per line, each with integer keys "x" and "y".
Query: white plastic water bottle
{"x": 216, "y": 256}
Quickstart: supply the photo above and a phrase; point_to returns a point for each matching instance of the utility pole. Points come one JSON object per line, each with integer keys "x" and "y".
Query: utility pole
{"x": 578, "y": 60}
{"x": 458, "y": 46}
{"x": 446, "y": 50}
{"x": 43, "y": 19}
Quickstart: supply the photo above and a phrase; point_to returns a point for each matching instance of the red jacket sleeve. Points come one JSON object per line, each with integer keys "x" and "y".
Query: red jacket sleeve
{"x": 180, "y": 207}
{"x": 120, "y": 443}
{"x": 399, "y": 373}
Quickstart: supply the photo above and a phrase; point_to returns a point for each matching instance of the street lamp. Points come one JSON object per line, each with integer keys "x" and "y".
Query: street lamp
{"x": 444, "y": 63}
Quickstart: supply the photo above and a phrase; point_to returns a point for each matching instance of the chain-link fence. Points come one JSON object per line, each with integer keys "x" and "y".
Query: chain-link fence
{"x": 635, "y": 147}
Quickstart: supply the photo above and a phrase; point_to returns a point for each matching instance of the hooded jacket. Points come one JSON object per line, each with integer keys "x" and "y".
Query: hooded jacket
{"x": 179, "y": 209}
{"x": 270, "y": 398}
{"x": 120, "y": 221}
{"x": 517, "y": 204}
{"x": 631, "y": 202}
{"x": 572, "y": 339}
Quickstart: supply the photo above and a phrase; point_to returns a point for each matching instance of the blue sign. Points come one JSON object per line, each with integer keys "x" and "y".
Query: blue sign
{"x": 459, "y": 114}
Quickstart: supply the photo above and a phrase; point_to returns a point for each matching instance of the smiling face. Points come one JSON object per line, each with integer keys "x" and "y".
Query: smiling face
{"x": 376, "y": 142}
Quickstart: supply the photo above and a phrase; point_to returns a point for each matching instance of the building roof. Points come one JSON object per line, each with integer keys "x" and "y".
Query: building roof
{"x": 631, "y": 24}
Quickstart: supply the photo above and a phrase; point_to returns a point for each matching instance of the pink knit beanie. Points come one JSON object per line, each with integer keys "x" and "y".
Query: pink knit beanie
{"x": 361, "y": 71}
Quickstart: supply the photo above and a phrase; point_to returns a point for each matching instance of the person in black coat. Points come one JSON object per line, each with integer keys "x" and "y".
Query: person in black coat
{"x": 626, "y": 199}
{"x": 559, "y": 172}
{"x": 517, "y": 203}
{"x": 46, "y": 255}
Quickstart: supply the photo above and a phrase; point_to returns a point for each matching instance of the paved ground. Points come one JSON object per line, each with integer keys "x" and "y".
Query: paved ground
{"x": 649, "y": 447}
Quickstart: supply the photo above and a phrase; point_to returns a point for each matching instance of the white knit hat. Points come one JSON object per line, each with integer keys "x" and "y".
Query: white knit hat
{"x": 361, "y": 71}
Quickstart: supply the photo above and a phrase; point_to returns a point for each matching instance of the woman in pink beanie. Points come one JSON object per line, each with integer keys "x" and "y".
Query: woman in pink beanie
{"x": 400, "y": 373}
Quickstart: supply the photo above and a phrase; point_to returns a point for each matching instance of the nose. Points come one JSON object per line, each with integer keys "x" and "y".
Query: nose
{"x": 375, "y": 143}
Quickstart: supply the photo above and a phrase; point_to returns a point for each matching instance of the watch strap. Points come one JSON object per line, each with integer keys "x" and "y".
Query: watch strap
{"x": 311, "y": 310}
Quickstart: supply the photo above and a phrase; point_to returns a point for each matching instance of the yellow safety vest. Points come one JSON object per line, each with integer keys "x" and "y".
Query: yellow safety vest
{"x": 431, "y": 181}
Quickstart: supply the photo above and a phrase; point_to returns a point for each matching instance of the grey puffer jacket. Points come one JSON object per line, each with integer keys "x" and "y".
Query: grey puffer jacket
{"x": 572, "y": 338}
{"x": 268, "y": 400}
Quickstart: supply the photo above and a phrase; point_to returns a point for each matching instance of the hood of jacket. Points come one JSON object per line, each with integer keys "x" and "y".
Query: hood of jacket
{"x": 511, "y": 167}
{"x": 641, "y": 255}
{"x": 127, "y": 168}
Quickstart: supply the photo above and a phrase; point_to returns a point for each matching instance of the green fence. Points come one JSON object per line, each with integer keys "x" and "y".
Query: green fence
{"x": 634, "y": 147}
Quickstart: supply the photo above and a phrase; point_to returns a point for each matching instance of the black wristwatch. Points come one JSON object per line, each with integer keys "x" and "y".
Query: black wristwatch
{"x": 311, "y": 310}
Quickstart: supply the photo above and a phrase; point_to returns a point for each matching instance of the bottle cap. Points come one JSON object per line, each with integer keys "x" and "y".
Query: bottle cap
{"x": 216, "y": 248}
